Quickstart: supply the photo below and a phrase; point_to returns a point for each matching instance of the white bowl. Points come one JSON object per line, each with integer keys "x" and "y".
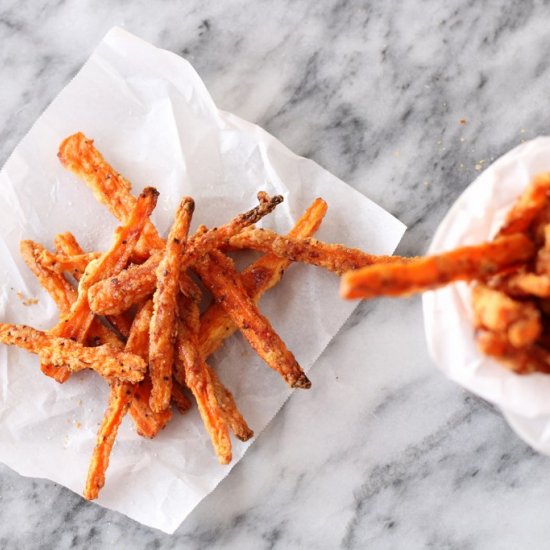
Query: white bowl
{"x": 474, "y": 218}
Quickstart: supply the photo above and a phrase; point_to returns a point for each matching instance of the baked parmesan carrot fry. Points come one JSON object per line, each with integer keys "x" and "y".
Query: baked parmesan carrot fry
{"x": 179, "y": 399}
{"x": 196, "y": 376}
{"x": 132, "y": 285}
{"x": 521, "y": 361}
{"x": 120, "y": 398}
{"x": 136, "y": 283}
{"x": 525, "y": 284}
{"x": 78, "y": 154}
{"x": 63, "y": 352}
{"x": 260, "y": 276}
{"x": 147, "y": 423}
{"x": 333, "y": 257}
{"x": 73, "y": 264}
{"x": 227, "y": 404}
{"x": 528, "y": 205}
{"x": 66, "y": 244}
{"x": 462, "y": 264}
{"x": 62, "y": 292}
{"x": 224, "y": 397}
{"x": 219, "y": 275}
{"x": 77, "y": 322}
{"x": 494, "y": 310}
{"x": 163, "y": 329}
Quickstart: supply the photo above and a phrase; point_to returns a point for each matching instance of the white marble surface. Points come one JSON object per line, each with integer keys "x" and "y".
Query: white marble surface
{"x": 397, "y": 456}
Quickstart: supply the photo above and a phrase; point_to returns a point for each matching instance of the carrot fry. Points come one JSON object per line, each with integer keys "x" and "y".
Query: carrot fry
{"x": 231, "y": 413}
{"x": 163, "y": 326}
{"x": 66, "y": 244}
{"x": 188, "y": 348}
{"x": 196, "y": 376}
{"x": 148, "y": 423}
{"x": 494, "y": 310}
{"x": 525, "y": 284}
{"x": 263, "y": 274}
{"x": 62, "y": 292}
{"x": 120, "y": 397}
{"x": 63, "y": 352}
{"x": 467, "y": 263}
{"x": 136, "y": 283}
{"x": 219, "y": 275}
{"x": 78, "y": 154}
{"x": 521, "y": 361}
{"x": 179, "y": 399}
{"x": 132, "y": 285}
{"x": 77, "y": 323}
{"x": 74, "y": 264}
{"x": 528, "y": 205}
{"x": 333, "y": 257}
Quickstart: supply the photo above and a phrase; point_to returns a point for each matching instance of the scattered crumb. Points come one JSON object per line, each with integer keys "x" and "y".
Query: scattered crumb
{"x": 461, "y": 165}
{"x": 66, "y": 441}
{"x": 522, "y": 131}
{"x": 426, "y": 184}
{"x": 479, "y": 164}
{"x": 463, "y": 121}
{"x": 79, "y": 402}
{"x": 396, "y": 153}
{"x": 26, "y": 301}
{"x": 462, "y": 139}
{"x": 77, "y": 425}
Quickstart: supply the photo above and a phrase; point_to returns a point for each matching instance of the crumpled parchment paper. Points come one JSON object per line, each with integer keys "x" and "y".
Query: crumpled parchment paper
{"x": 153, "y": 119}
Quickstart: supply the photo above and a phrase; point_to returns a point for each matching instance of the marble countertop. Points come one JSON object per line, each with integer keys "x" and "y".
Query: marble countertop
{"x": 407, "y": 102}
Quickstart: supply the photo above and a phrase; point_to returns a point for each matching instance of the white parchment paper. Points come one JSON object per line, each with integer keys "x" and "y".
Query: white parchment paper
{"x": 475, "y": 217}
{"x": 152, "y": 117}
